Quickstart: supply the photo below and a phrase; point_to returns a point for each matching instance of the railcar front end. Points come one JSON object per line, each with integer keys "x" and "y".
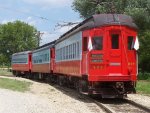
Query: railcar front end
{"x": 21, "y": 63}
{"x": 110, "y": 60}
{"x": 106, "y": 62}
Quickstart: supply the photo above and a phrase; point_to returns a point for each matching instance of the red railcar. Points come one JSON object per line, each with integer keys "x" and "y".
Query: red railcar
{"x": 98, "y": 55}
{"x": 21, "y": 63}
{"x": 43, "y": 60}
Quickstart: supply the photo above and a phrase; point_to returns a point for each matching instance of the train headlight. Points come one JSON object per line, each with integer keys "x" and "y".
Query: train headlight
{"x": 119, "y": 84}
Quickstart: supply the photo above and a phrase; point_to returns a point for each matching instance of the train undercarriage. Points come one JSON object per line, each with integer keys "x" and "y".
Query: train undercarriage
{"x": 104, "y": 89}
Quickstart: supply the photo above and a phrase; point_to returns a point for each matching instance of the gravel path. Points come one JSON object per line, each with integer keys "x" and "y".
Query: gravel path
{"x": 141, "y": 99}
{"x": 15, "y": 102}
{"x": 44, "y": 98}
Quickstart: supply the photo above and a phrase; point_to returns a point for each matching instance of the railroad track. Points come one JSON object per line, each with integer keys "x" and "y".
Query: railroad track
{"x": 108, "y": 105}
{"x": 121, "y": 106}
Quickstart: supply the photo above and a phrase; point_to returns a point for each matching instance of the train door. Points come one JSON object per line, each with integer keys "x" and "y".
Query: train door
{"x": 131, "y": 54}
{"x": 85, "y": 55}
{"x": 52, "y": 57}
{"x": 30, "y": 61}
{"x": 114, "y": 52}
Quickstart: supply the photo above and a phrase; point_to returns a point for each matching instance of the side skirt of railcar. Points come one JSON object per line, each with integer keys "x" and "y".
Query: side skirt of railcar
{"x": 118, "y": 89}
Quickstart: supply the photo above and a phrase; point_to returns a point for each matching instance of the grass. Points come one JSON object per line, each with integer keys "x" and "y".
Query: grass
{"x": 143, "y": 76}
{"x": 143, "y": 84}
{"x": 143, "y": 87}
{"x": 14, "y": 85}
{"x": 5, "y": 72}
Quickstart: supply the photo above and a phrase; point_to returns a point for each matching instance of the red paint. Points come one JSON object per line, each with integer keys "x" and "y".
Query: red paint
{"x": 104, "y": 71}
{"x": 71, "y": 68}
{"x": 41, "y": 68}
{"x": 23, "y": 67}
{"x": 45, "y": 67}
{"x": 20, "y": 67}
{"x": 124, "y": 59}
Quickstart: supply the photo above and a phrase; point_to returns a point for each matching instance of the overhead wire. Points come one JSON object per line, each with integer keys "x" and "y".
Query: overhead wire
{"x": 25, "y": 13}
{"x": 64, "y": 24}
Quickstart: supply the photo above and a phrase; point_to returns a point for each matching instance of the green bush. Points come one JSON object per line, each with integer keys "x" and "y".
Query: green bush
{"x": 144, "y": 76}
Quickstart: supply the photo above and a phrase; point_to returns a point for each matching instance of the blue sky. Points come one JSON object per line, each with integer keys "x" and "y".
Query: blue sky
{"x": 30, "y": 11}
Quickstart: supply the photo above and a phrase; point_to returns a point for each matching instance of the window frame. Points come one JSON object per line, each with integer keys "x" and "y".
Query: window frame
{"x": 132, "y": 44}
{"x": 102, "y": 42}
{"x": 118, "y": 42}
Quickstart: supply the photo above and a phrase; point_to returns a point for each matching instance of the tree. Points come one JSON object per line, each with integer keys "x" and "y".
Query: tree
{"x": 16, "y": 37}
{"x": 87, "y": 8}
{"x": 139, "y": 10}
{"x": 144, "y": 53}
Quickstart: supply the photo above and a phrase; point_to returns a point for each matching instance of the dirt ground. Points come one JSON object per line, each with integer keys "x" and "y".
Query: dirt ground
{"x": 51, "y": 98}
{"x": 46, "y": 98}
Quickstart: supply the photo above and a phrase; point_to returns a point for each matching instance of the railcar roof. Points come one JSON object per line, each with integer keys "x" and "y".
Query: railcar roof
{"x": 21, "y": 53}
{"x": 45, "y": 46}
{"x": 100, "y": 20}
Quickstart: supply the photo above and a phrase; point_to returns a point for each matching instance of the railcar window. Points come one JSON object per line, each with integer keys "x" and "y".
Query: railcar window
{"x": 76, "y": 50}
{"x": 63, "y": 53}
{"x": 85, "y": 44}
{"x": 73, "y": 50}
{"x": 97, "y": 43}
{"x": 60, "y": 54}
{"x": 57, "y": 55}
{"x": 67, "y": 52}
{"x": 115, "y": 41}
{"x": 130, "y": 42}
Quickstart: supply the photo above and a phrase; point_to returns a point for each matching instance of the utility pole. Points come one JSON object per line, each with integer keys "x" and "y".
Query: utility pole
{"x": 39, "y": 35}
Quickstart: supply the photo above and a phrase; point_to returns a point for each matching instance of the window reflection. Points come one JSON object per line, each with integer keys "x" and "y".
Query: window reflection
{"x": 115, "y": 41}
{"x": 130, "y": 42}
{"x": 97, "y": 43}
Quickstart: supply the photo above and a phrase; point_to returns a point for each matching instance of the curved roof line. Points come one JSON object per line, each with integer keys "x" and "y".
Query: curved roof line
{"x": 45, "y": 46}
{"x": 100, "y": 20}
{"x": 21, "y": 53}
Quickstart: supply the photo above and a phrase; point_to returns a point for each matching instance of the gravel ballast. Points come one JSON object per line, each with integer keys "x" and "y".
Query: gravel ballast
{"x": 140, "y": 99}
{"x": 16, "y": 102}
{"x": 44, "y": 98}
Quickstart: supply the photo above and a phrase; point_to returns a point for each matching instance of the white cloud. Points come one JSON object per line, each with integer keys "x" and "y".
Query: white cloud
{"x": 29, "y": 18}
{"x": 64, "y": 29}
{"x": 6, "y": 21}
{"x": 50, "y": 3}
{"x": 49, "y": 37}
{"x": 30, "y": 21}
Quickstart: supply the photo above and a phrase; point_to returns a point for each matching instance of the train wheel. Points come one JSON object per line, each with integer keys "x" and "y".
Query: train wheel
{"x": 61, "y": 80}
{"x": 14, "y": 73}
{"x": 83, "y": 87}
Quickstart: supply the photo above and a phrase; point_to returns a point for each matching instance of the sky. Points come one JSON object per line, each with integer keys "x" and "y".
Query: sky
{"x": 42, "y": 14}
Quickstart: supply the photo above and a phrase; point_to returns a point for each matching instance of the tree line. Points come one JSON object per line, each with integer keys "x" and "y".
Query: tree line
{"x": 15, "y": 37}
{"x": 19, "y": 36}
{"x": 139, "y": 10}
